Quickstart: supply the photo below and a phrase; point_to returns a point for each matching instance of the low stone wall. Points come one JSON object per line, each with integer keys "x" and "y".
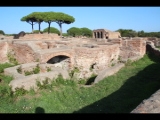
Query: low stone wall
{"x": 107, "y": 72}
{"x": 150, "y": 105}
{"x": 29, "y": 81}
{"x": 44, "y": 36}
{"x": 150, "y": 47}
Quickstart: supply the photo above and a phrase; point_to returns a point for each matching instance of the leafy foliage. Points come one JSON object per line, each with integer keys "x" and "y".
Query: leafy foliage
{"x": 52, "y": 30}
{"x": 65, "y": 34}
{"x": 127, "y": 32}
{"x": 44, "y": 84}
{"x": 62, "y": 18}
{"x": 35, "y": 70}
{"x": 20, "y": 91}
{"x": 86, "y": 32}
{"x": 5, "y": 65}
{"x": 29, "y": 19}
{"x": 36, "y": 31}
{"x": 2, "y": 32}
{"x": 12, "y": 59}
{"x": 48, "y": 17}
{"x": 74, "y": 31}
{"x": 133, "y": 33}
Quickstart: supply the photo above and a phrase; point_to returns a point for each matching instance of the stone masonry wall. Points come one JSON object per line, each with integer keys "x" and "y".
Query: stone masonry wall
{"x": 44, "y": 36}
{"x": 3, "y": 51}
{"x": 22, "y": 52}
{"x": 101, "y": 57}
{"x": 131, "y": 48}
{"x": 151, "y": 48}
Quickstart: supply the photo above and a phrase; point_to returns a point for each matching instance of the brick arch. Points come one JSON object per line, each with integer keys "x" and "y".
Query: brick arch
{"x": 48, "y": 57}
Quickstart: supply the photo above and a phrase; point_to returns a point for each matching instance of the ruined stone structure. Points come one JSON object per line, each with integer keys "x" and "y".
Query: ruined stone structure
{"x": 105, "y": 34}
{"x": 81, "y": 53}
{"x": 89, "y": 55}
{"x": 44, "y": 36}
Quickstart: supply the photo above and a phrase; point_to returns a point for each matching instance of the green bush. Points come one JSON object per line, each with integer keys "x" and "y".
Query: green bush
{"x": 20, "y": 91}
{"x": 28, "y": 73}
{"x": 12, "y": 59}
{"x": 35, "y": 70}
{"x": 75, "y": 70}
{"x": 19, "y": 69}
{"x": 129, "y": 62}
{"x": 65, "y": 34}
{"x": 52, "y": 30}
{"x": 2, "y": 32}
{"x": 44, "y": 84}
{"x": 5, "y": 65}
{"x": 37, "y": 31}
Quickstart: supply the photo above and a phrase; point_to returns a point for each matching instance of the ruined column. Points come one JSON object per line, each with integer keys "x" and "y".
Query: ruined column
{"x": 95, "y": 33}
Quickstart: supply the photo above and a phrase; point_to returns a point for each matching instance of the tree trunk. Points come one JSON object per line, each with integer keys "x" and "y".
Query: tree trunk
{"x": 49, "y": 27}
{"x": 60, "y": 25}
{"x": 32, "y": 27}
{"x": 39, "y": 27}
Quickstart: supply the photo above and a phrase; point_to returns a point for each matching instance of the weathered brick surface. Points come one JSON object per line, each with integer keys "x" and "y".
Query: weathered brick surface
{"x": 151, "y": 48}
{"x": 102, "y": 56}
{"x": 22, "y": 52}
{"x": 3, "y": 52}
{"x": 130, "y": 48}
{"x": 83, "y": 56}
{"x": 44, "y": 36}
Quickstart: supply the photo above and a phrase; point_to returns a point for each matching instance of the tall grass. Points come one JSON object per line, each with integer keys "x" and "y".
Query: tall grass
{"x": 119, "y": 93}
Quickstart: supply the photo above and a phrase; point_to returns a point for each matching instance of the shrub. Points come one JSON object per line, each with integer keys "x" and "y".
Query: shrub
{"x": 12, "y": 59}
{"x": 37, "y": 31}
{"x": 52, "y": 30}
{"x": 44, "y": 84}
{"x": 19, "y": 69}
{"x": 2, "y": 32}
{"x": 20, "y": 91}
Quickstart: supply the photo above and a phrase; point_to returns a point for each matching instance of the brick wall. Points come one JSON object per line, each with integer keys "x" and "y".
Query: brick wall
{"x": 3, "y": 51}
{"x": 132, "y": 48}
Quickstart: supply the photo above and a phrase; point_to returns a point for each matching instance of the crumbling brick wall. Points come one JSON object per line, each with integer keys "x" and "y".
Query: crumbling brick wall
{"x": 134, "y": 47}
{"x": 22, "y": 52}
{"x": 3, "y": 51}
{"x": 101, "y": 57}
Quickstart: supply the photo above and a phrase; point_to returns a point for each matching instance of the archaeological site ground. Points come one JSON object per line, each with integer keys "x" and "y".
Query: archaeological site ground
{"x": 38, "y": 57}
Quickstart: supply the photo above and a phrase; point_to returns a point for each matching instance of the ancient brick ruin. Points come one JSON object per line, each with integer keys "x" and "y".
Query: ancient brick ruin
{"x": 90, "y": 55}
{"x": 105, "y": 34}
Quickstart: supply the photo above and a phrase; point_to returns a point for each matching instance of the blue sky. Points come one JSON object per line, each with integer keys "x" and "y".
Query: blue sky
{"x": 111, "y": 18}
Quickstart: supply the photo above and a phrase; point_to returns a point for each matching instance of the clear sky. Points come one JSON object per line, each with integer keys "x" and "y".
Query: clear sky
{"x": 111, "y": 18}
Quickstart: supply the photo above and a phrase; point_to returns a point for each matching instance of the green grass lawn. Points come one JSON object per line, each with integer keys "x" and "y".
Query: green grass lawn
{"x": 119, "y": 93}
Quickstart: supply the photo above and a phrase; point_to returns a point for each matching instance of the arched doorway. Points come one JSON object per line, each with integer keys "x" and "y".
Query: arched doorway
{"x": 98, "y": 35}
{"x": 60, "y": 61}
{"x": 106, "y": 35}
